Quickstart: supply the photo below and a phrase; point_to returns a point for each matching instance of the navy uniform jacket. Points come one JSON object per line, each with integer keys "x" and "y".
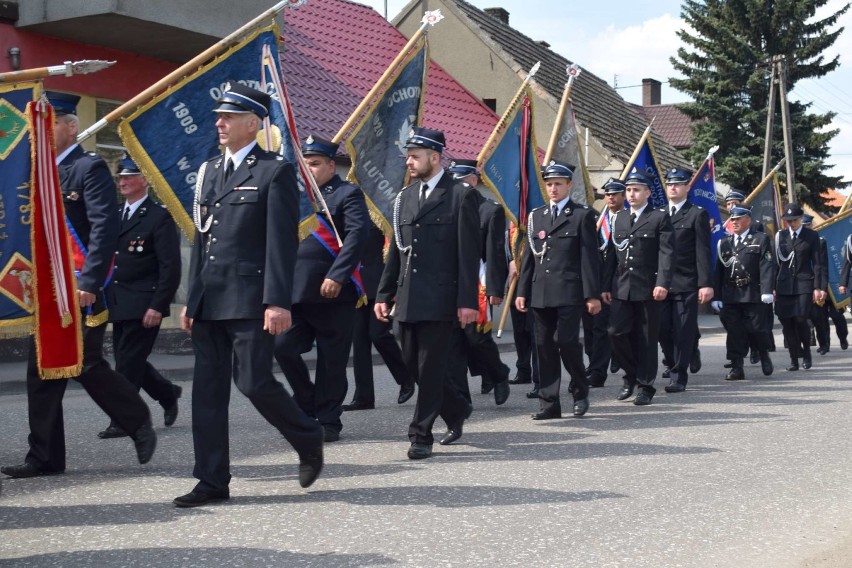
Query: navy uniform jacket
{"x": 569, "y": 272}
{"x": 314, "y": 262}
{"x": 89, "y": 197}
{"x": 443, "y": 266}
{"x": 692, "y": 249}
{"x": 147, "y": 264}
{"x": 245, "y": 262}
{"x": 751, "y": 275}
{"x": 805, "y": 272}
{"x": 492, "y": 233}
{"x": 645, "y": 261}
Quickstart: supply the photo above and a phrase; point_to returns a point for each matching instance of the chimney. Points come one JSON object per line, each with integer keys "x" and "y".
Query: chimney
{"x": 651, "y": 92}
{"x": 499, "y": 13}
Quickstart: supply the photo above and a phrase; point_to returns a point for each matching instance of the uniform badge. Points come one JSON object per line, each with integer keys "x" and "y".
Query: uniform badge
{"x": 73, "y": 196}
{"x": 132, "y": 246}
{"x": 139, "y": 248}
{"x": 203, "y": 210}
{"x": 251, "y": 160}
{"x": 542, "y": 235}
{"x": 309, "y": 139}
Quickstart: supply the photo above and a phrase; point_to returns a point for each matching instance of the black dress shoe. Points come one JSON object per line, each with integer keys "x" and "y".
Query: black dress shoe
{"x": 330, "y": 433}
{"x": 419, "y": 451}
{"x": 667, "y": 373}
{"x": 112, "y": 431}
{"x": 581, "y": 407}
{"x": 26, "y": 469}
{"x": 625, "y": 393}
{"x": 533, "y": 393}
{"x": 822, "y": 350}
{"x": 519, "y": 380}
{"x": 405, "y": 393}
{"x": 754, "y": 357}
{"x": 310, "y": 466}
{"x": 613, "y": 366}
{"x": 735, "y": 374}
{"x": 170, "y": 413}
{"x": 486, "y": 388}
{"x": 501, "y": 392}
{"x": 549, "y": 414}
{"x": 794, "y": 366}
{"x": 643, "y": 398}
{"x": 844, "y": 344}
{"x": 358, "y": 405}
{"x": 595, "y": 381}
{"x": 452, "y": 435}
{"x": 766, "y": 364}
{"x": 695, "y": 363}
{"x": 196, "y": 498}
{"x": 675, "y": 387}
{"x": 145, "y": 440}
{"x": 807, "y": 363}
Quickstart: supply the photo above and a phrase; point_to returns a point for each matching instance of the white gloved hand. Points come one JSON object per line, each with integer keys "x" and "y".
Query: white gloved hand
{"x": 716, "y": 305}
{"x": 766, "y": 298}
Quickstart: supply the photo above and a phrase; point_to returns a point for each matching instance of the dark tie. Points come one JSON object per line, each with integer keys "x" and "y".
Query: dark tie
{"x": 126, "y": 215}
{"x": 737, "y": 241}
{"x": 424, "y": 187}
{"x": 555, "y": 214}
{"x": 229, "y": 169}
{"x": 794, "y": 236}
{"x": 632, "y": 218}
{"x": 674, "y": 210}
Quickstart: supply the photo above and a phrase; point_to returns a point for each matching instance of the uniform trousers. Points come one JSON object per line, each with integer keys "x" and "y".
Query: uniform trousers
{"x": 633, "y": 329}
{"x": 370, "y": 332}
{"x": 596, "y": 342}
{"x": 742, "y": 321}
{"x": 425, "y": 349}
{"x": 330, "y": 324}
{"x": 679, "y": 332}
{"x": 524, "y": 336}
{"x": 132, "y": 343}
{"x": 819, "y": 317}
{"x": 841, "y": 328}
{"x": 557, "y": 334}
{"x": 793, "y": 311}
{"x": 114, "y": 394}
{"x": 242, "y": 349}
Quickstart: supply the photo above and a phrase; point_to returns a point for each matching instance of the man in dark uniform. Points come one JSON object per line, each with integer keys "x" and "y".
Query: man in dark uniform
{"x": 820, "y": 313}
{"x": 560, "y": 276}
{"x": 246, "y": 211}
{"x": 431, "y": 276}
{"x": 595, "y": 336}
{"x": 326, "y": 290}
{"x": 474, "y": 345}
{"x": 691, "y": 280}
{"x": 88, "y": 194}
{"x": 145, "y": 278}
{"x": 371, "y": 332}
{"x": 801, "y": 282}
{"x": 643, "y": 240}
{"x": 743, "y": 282}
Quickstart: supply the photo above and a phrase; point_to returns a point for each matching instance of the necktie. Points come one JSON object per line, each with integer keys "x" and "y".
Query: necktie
{"x": 794, "y": 236}
{"x": 423, "y": 189}
{"x": 737, "y": 241}
{"x": 126, "y": 215}
{"x": 674, "y": 210}
{"x": 555, "y": 214}
{"x": 229, "y": 169}
{"x": 632, "y": 218}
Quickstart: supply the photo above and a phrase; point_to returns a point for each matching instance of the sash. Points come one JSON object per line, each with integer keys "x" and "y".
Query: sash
{"x": 79, "y": 253}
{"x": 326, "y": 238}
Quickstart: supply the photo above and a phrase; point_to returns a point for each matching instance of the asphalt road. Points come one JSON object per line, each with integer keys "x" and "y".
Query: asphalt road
{"x": 749, "y": 474}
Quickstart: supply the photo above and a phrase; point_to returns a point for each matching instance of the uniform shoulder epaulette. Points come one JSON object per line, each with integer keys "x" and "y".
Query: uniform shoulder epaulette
{"x": 541, "y": 208}
{"x": 279, "y": 158}
{"x": 662, "y": 209}
{"x": 700, "y": 207}
{"x": 584, "y": 206}
{"x": 493, "y": 202}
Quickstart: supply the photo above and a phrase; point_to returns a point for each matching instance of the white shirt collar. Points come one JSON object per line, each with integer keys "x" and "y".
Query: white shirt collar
{"x": 133, "y": 206}
{"x": 239, "y": 155}
{"x": 639, "y": 211}
{"x": 561, "y": 204}
{"x": 64, "y": 154}
{"x": 677, "y": 206}
{"x": 432, "y": 182}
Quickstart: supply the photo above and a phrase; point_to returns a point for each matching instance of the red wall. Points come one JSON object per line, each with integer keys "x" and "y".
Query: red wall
{"x": 131, "y": 73}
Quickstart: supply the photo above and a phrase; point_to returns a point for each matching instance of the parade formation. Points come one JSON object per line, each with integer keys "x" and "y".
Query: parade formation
{"x": 287, "y": 256}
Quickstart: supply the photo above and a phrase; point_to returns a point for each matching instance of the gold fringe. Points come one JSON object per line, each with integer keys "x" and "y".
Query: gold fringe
{"x": 307, "y": 227}
{"x": 486, "y": 328}
{"x": 97, "y": 320}
{"x": 20, "y": 327}
{"x": 66, "y": 319}
{"x": 362, "y": 301}
{"x": 61, "y": 372}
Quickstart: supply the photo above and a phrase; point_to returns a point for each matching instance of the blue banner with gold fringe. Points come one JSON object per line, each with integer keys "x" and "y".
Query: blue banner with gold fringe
{"x": 835, "y": 232}
{"x": 16, "y": 270}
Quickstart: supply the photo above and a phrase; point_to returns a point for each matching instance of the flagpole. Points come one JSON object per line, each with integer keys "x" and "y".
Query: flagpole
{"x": 638, "y": 149}
{"x": 709, "y": 157}
{"x": 503, "y": 119}
{"x": 429, "y": 19}
{"x": 67, "y": 69}
{"x": 764, "y": 181}
{"x": 183, "y": 70}
{"x": 573, "y": 72}
{"x": 513, "y": 284}
{"x": 846, "y": 204}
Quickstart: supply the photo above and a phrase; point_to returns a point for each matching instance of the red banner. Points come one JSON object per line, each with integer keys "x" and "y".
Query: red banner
{"x": 58, "y": 332}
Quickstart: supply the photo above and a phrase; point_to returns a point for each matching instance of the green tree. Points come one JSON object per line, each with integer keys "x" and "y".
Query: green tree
{"x": 724, "y": 64}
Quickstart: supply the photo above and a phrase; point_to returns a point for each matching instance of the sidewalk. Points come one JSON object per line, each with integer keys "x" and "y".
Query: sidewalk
{"x": 179, "y": 367}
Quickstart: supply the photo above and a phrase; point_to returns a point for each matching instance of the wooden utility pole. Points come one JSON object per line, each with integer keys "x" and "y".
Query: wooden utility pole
{"x": 778, "y": 78}
{"x": 770, "y": 122}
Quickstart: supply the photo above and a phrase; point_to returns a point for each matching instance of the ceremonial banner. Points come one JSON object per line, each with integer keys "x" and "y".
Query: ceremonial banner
{"x": 765, "y": 203}
{"x": 568, "y": 149}
{"x": 835, "y": 231}
{"x": 377, "y": 144}
{"x": 173, "y": 134}
{"x": 644, "y": 160}
{"x": 58, "y": 328}
{"x": 16, "y": 292}
{"x": 702, "y": 192}
{"x": 509, "y": 165}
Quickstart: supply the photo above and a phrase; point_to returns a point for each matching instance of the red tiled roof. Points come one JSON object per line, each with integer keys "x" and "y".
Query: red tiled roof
{"x": 333, "y": 53}
{"x": 669, "y": 122}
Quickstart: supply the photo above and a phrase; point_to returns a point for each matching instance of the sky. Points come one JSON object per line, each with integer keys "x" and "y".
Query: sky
{"x": 624, "y": 41}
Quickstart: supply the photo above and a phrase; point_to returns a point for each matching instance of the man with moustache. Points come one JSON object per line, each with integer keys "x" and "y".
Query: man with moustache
{"x": 560, "y": 277}
{"x": 246, "y": 211}
{"x": 643, "y": 242}
{"x": 145, "y": 278}
{"x": 691, "y": 280}
{"x": 431, "y": 280}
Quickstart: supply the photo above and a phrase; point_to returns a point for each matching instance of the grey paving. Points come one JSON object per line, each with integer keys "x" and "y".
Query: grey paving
{"x": 755, "y": 473}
